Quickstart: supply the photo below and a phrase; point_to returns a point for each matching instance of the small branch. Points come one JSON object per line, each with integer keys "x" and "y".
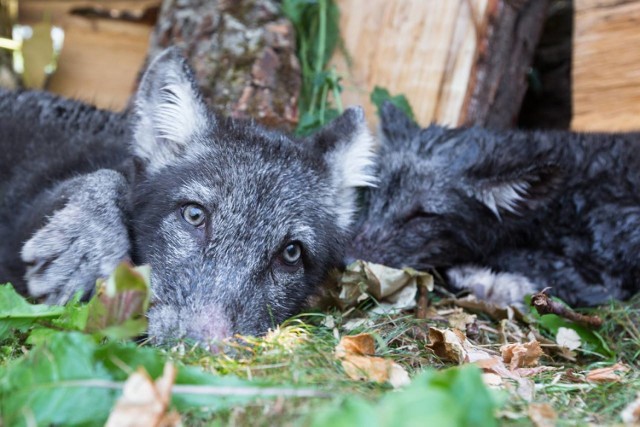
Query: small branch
{"x": 545, "y": 305}
{"x": 423, "y": 302}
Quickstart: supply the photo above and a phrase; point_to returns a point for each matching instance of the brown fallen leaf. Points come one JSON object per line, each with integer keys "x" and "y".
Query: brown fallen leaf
{"x": 521, "y": 355}
{"x": 530, "y": 372}
{"x": 631, "y": 414}
{"x": 356, "y": 355}
{"x": 610, "y": 374}
{"x": 459, "y": 319}
{"x": 453, "y": 345}
{"x": 542, "y": 415}
{"x": 144, "y": 403}
{"x": 361, "y": 344}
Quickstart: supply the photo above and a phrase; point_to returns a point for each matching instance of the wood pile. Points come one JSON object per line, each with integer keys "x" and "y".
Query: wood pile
{"x": 606, "y": 65}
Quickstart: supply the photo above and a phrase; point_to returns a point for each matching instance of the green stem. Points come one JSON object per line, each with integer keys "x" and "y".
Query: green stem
{"x": 322, "y": 35}
{"x": 323, "y": 101}
{"x": 337, "y": 98}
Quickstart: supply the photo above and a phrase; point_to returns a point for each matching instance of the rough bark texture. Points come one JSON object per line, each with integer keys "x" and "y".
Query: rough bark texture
{"x": 243, "y": 54}
{"x": 503, "y": 61}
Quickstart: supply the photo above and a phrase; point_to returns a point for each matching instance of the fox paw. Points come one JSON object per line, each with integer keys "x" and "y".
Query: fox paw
{"x": 501, "y": 289}
{"x": 81, "y": 242}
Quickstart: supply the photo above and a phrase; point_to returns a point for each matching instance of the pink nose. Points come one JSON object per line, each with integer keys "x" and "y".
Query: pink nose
{"x": 207, "y": 325}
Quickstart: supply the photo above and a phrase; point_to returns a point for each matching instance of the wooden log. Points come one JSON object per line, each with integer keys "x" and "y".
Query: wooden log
{"x": 459, "y": 62}
{"x": 606, "y": 65}
{"x": 243, "y": 54}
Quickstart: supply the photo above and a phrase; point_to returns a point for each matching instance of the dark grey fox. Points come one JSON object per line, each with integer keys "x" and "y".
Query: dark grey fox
{"x": 511, "y": 211}
{"x": 240, "y": 224}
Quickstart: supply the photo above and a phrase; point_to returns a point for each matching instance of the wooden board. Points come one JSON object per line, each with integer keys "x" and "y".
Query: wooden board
{"x": 100, "y": 59}
{"x": 459, "y": 62}
{"x": 606, "y": 65}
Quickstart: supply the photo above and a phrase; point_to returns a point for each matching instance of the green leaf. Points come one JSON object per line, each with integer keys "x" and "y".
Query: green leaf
{"x": 380, "y": 95}
{"x": 118, "y": 309}
{"x": 17, "y": 313}
{"x": 454, "y": 397}
{"x": 37, "y": 389}
{"x": 551, "y": 323}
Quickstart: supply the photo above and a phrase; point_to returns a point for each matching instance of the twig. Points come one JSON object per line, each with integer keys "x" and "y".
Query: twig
{"x": 545, "y": 305}
{"x": 423, "y": 302}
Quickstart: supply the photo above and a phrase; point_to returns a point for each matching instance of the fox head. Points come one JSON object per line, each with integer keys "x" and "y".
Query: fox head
{"x": 449, "y": 196}
{"x": 240, "y": 224}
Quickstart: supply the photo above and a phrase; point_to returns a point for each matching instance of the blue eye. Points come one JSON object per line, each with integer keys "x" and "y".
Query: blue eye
{"x": 292, "y": 253}
{"x": 194, "y": 214}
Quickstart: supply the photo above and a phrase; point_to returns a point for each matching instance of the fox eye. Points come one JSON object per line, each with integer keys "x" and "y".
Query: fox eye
{"x": 292, "y": 253}
{"x": 193, "y": 214}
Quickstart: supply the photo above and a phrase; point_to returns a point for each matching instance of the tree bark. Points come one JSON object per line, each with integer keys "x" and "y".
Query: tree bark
{"x": 504, "y": 59}
{"x": 242, "y": 52}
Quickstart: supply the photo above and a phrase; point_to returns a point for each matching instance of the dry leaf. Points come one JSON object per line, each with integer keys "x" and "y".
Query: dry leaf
{"x": 393, "y": 289}
{"x": 631, "y": 414}
{"x": 453, "y": 345}
{"x": 459, "y": 319}
{"x": 529, "y": 372}
{"x": 145, "y": 403}
{"x": 521, "y": 355}
{"x": 607, "y": 375}
{"x": 492, "y": 380}
{"x": 361, "y": 345}
{"x": 542, "y": 415}
{"x": 569, "y": 338}
{"x": 355, "y": 352}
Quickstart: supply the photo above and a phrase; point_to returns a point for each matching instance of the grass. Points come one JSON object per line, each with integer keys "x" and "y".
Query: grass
{"x": 301, "y": 353}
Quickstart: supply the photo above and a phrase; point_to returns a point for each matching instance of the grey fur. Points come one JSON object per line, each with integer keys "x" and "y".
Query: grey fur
{"x": 260, "y": 190}
{"x": 556, "y": 209}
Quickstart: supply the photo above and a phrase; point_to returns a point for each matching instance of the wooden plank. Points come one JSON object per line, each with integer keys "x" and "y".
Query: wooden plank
{"x": 101, "y": 58}
{"x": 606, "y": 65}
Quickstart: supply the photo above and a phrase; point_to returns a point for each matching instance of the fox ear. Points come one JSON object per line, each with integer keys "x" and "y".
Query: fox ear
{"x": 396, "y": 127}
{"x": 169, "y": 110}
{"x": 520, "y": 191}
{"x": 348, "y": 149}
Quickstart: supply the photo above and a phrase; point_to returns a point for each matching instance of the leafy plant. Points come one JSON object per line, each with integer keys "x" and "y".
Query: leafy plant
{"x": 454, "y": 397}
{"x": 380, "y": 95}
{"x": 316, "y": 23}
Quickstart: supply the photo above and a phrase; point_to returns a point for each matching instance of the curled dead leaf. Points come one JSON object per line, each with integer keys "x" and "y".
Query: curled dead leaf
{"x": 521, "y": 355}
{"x": 394, "y": 289}
{"x": 453, "y": 345}
{"x": 611, "y": 374}
{"x": 145, "y": 402}
{"x": 356, "y": 355}
{"x": 542, "y": 415}
{"x": 631, "y": 414}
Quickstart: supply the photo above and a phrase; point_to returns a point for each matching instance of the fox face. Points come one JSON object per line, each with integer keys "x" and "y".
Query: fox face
{"x": 443, "y": 196}
{"x": 240, "y": 224}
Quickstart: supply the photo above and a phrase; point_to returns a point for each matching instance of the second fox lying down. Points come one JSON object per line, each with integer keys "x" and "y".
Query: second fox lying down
{"x": 240, "y": 224}
{"x": 508, "y": 212}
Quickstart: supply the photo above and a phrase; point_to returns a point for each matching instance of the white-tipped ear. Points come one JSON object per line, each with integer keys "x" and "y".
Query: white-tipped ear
{"x": 349, "y": 151}
{"x": 504, "y": 196}
{"x": 517, "y": 192}
{"x": 169, "y": 110}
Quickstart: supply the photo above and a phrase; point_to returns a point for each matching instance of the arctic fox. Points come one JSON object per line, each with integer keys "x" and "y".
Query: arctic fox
{"x": 240, "y": 224}
{"x": 507, "y": 212}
